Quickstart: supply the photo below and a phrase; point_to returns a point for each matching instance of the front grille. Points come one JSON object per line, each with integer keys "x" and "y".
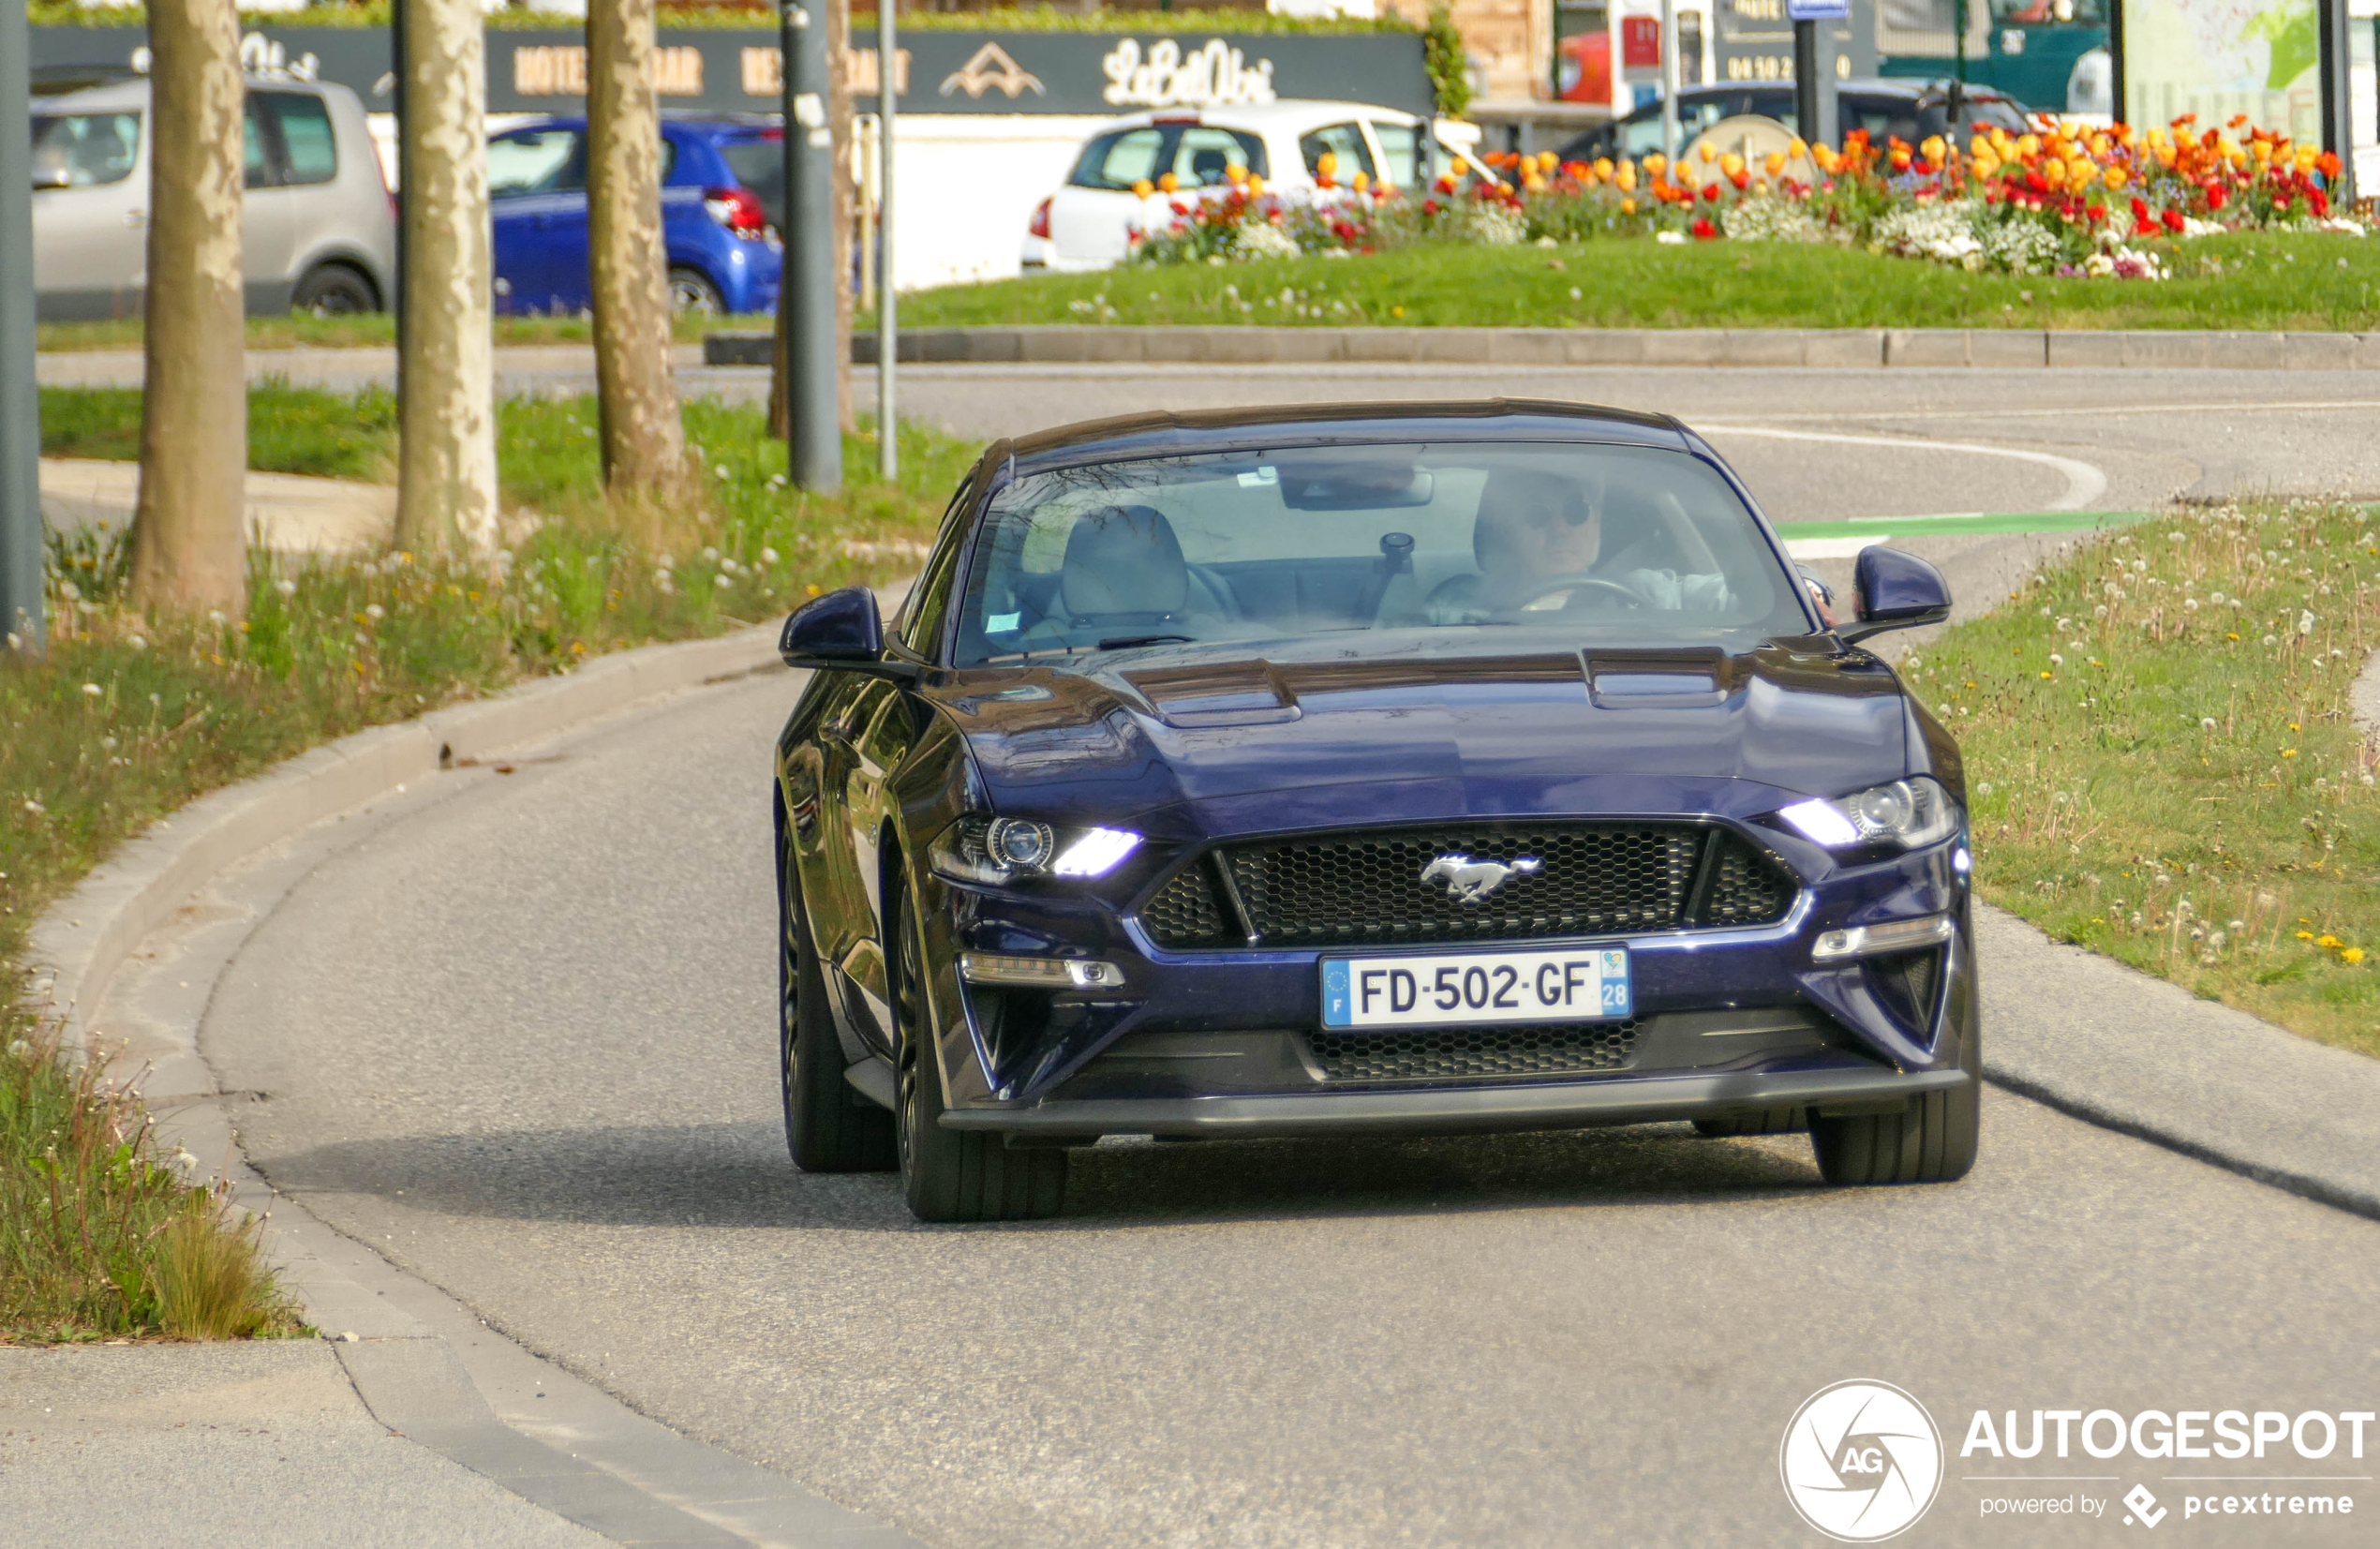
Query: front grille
{"x": 1367, "y": 888}
{"x": 1186, "y": 911}
{"x": 1532, "y": 1050}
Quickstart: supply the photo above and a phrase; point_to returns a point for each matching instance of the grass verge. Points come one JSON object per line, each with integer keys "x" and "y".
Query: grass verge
{"x": 2163, "y": 764}
{"x": 2265, "y": 281}
{"x": 303, "y": 331}
{"x": 129, "y": 717}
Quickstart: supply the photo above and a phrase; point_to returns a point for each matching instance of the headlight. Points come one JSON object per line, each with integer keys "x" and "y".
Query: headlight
{"x": 1001, "y": 849}
{"x": 1906, "y": 814}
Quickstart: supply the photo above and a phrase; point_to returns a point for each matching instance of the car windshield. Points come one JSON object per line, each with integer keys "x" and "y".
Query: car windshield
{"x": 1515, "y": 544}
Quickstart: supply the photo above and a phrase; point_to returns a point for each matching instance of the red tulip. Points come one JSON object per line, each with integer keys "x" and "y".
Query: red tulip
{"x": 1703, "y": 230}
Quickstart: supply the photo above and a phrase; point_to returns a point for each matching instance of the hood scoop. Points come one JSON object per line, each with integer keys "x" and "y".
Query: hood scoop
{"x": 1687, "y": 678}
{"x": 1229, "y": 693}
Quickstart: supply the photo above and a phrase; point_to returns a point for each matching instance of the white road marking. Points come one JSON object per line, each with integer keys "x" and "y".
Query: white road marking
{"x": 2084, "y": 483}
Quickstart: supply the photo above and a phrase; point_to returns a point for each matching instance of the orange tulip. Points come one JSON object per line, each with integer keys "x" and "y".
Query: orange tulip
{"x": 1730, "y": 164}
{"x": 1144, "y": 188}
{"x": 1170, "y": 183}
{"x": 1325, "y": 164}
{"x": 1773, "y": 162}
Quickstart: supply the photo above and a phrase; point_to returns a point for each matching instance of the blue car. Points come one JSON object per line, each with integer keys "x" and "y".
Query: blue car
{"x": 1405, "y": 770}
{"x": 722, "y": 206}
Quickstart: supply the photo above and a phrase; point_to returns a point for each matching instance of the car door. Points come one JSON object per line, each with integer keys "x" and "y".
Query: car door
{"x": 90, "y": 212}
{"x": 1092, "y": 218}
{"x": 268, "y": 217}
{"x": 307, "y": 175}
{"x": 875, "y": 735}
{"x": 537, "y": 199}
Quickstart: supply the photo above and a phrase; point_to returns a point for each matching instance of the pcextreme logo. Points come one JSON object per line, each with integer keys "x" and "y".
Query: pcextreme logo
{"x": 1861, "y": 1461}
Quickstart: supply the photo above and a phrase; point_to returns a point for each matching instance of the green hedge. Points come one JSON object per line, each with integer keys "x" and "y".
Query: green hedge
{"x": 375, "y": 13}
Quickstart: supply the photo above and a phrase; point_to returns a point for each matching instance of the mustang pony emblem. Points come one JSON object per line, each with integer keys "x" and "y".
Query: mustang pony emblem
{"x": 1469, "y": 881}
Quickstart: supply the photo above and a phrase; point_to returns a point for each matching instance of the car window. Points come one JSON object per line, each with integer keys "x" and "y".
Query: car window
{"x": 1118, "y": 159}
{"x": 85, "y": 150}
{"x": 1344, "y": 140}
{"x": 1401, "y": 152}
{"x": 1526, "y": 545}
{"x": 309, "y": 149}
{"x": 759, "y": 164}
{"x": 1203, "y": 155}
{"x": 929, "y": 603}
{"x": 534, "y": 161}
{"x": 256, "y": 169}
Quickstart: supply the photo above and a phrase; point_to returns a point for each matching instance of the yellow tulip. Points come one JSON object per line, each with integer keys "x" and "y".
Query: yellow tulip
{"x": 2262, "y": 151}
{"x": 1986, "y": 167}
{"x": 1730, "y": 164}
{"x": 1797, "y": 148}
{"x": 1170, "y": 183}
{"x": 1656, "y": 164}
{"x": 1625, "y": 177}
{"x": 1706, "y": 151}
{"x": 1144, "y": 188}
{"x": 1256, "y": 185}
{"x": 1628, "y": 206}
{"x": 1235, "y": 174}
{"x": 1979, "y": 147}
{"x": 1603, "y": 166}
{"x": 1774, "y": 162}
{"x": 1548, "y": 160}
{"x": 2116, "y": 177}
{"x": 2054, "y": 173}
{"x": 2028, "y": 146}
{"x": 1359, "y": 183}
{"x": 2166, "y": 156}
{"x": 1933, "y": 147}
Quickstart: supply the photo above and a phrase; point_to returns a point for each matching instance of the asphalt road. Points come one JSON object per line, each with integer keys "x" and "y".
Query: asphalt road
{"x": 515, "y": 1031}
{"x": 1887, "y": 434}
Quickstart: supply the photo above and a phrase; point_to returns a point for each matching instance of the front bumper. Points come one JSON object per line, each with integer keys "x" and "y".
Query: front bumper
{"x": 1607, "y": 1100}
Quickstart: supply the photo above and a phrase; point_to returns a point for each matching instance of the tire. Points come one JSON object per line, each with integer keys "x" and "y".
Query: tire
{"x": 691, "y": 293}
{"x": 1768, "y": 1121}
{"x": 830, "y": 1127}
{"x": 1932, "y": 1142}
{"x": 334, "y": 290}
{"x": 949, "y": 1174}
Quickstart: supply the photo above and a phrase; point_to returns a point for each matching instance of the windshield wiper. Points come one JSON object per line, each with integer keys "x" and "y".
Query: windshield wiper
{"x": 1125, "y": 642}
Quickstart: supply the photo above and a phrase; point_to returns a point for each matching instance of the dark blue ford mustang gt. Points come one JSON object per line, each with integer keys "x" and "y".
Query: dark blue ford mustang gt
{"x": 1364, "y": 769}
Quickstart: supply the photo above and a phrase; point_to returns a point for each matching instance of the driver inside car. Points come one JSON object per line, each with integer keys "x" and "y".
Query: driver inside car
{"x": 1537, "y": 529}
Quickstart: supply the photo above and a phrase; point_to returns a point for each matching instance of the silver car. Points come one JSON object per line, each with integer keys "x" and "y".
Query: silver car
{"x": 318, "y": 228}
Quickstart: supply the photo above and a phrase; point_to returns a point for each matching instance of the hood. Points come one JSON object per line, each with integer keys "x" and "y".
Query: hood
{"x": 1196, "y": 747}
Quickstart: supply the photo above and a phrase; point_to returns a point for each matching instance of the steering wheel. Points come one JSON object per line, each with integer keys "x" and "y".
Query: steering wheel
{"x": 1574, "y": 585}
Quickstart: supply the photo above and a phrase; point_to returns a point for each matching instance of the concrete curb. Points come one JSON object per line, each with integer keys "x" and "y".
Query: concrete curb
{"x": 81, "y": 940}
{"x": 2010, "y": 348}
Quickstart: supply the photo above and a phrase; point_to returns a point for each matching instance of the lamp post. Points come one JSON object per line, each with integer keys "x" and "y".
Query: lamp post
{"x": 21, "y": 610}
{"x": 815, "y": 443}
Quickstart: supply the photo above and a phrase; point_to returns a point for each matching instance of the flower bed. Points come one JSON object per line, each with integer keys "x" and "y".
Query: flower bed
{"x": 2081, "y": 203}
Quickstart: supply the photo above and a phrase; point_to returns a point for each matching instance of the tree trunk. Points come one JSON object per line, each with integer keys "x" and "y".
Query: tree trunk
{"x": 636, "y": 389}
{"x": 189, "y": 545}
{"x": 446, "y": 497}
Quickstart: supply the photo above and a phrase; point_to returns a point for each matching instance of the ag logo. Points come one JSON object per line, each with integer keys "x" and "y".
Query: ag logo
{"x": 1861, "y": 1461}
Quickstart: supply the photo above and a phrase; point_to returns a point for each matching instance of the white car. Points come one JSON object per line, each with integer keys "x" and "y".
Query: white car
{"x": 1089, "y": 224}
{"x": 317, "y": 231}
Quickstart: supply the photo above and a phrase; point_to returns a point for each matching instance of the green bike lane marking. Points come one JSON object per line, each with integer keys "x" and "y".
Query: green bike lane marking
{"x": 1972, "y": 521}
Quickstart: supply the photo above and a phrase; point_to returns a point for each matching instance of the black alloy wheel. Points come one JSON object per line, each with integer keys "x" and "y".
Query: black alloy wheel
{"x": 334, "y": 290}
{"x": 830, "y": 1127}
{"x": 950, "y": 1174}
{"x": 1933, "y": 1141}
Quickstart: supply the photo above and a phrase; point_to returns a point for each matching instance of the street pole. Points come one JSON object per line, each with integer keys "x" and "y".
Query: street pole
{"x": 887, "y": 322}
{"x": 2338, "y": 109}
{"x": 815, "y": 445}
{"x": 21, "y": 608}
{"x": 1669, "y": 83}
{"x": 1805, "y": 82}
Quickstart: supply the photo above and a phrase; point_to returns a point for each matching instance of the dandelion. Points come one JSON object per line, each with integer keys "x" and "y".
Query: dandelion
{"x": 286, "y": 586}
{"x": 2272, "y": 640}
{"x": 711, "y": 555}
{"x": 2305, "y": 935}
{"x": 216, "y": 618}
{"x": 375, "y": 612}
{"x": 722, "y": 581}
{"x": 2174, "y": 537}
{"x": 2206, "y": 722}
{"x": 1984, "y": 788}
{"x": 2305, "y": 623}
{"x": 2328, "y": 942}
{"x": 768, "y": 557}
{"x": 92, "y": 689}
{"x": 2352, "y": 955}
{"x": 109, "y": 743}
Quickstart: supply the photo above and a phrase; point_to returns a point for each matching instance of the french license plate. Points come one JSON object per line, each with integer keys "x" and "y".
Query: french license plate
{"x": 1477, "y": 988}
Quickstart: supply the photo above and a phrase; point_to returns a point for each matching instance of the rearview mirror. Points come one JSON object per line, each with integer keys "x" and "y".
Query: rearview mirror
{"x": 1896, "y": 591}
{"x": 842, "y": 631}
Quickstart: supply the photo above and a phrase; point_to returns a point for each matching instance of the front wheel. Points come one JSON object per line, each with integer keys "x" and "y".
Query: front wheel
{"x": 334, "y": 290}
{"x": 1932, "y": 1142}
{"x": 950, "y": 1174}
{"x": 830, "y": 1127}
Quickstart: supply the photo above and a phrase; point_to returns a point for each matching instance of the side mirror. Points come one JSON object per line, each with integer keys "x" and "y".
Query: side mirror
{"x": 841, "y": 632}
{"x": 1896, "y": 591}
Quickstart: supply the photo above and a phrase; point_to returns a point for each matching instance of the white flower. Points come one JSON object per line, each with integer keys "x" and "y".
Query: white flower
{"x": 723, "y": 472}
{"x": 2189, "y": 604}
{"x": 286, "y": 587}
{"x": 20, "y": 1049}
{"x": 1984, "y": 788}
{"x": 2272, "y": 640}
{"x": 68, "y": 591}
{"x": 2056, "y": 660}
{"x": 16, "y": 641}
{"x": 712, "y": 554}
{"x": 137, "y": 642}
{"x": 2175, "y": 537}
{"x": 375, "y": 612}
{"x": 1669, "y": 239}
{"x": 2206, "y": 722}
{"x": 215, "y": 618}
{"x": 2305, "y": 623}
{"x": 1577, "y": 294}
{"x": 768, "y": 557}
{"x": 92, "y": 689}
{"x": 722, "y": 581}
{"x": 2215, "y": 596}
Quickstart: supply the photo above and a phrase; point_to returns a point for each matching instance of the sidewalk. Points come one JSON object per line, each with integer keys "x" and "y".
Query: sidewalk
{"x": 287, "y": 513}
